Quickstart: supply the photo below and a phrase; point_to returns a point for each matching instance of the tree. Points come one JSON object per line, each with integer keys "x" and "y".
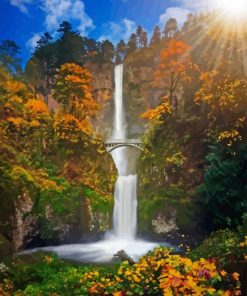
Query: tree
{"x": 44, "y": 40}
{"x": 120, "y": 51}
{"x": 144, "y": 39}
{"x": 225, "y": 98}
{"x": 45, "y": 57}
{"x": 132, "y": 44}
{"x": 91, "y": 49}
{"x": 175, "y": 62}
{"x": 64, "y": 28}
{"x": 107, "y": 51}
{"x": 9, "y": 59}
{"x": 69, "y": 46}
{"x": 73, "y": 91}
{"x": 156, "y": 37}
{"x": 141, "y": 37}
{"x": 34, "y": 74}
{"x": 223, "y": 194}
{"x": 170, "y": 29}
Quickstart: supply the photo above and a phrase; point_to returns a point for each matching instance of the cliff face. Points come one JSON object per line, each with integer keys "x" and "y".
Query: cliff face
{"x": 24, "y": 223}
{"x": 138, "y": 93}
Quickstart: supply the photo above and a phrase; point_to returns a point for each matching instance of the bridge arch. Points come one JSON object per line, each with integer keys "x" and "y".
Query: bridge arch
{"x": 110, "y": 149}
{"x": 111, "y": 145}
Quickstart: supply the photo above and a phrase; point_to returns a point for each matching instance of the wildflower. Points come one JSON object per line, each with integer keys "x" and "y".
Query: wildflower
{"x": 235, "y": 276}
{"x": 223, "y": 273}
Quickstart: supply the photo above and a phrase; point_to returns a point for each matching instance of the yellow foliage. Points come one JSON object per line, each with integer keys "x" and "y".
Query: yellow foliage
{"x": 157, "y": 113}
{"x": 73, "y": 90}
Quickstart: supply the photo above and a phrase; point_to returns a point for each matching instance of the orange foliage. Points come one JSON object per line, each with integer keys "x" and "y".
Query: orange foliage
{"x": 174, "y": 65}
{"x": 36, "y": 107}
{"x": 73, "y": 91}
{"x": 68, "y": 127}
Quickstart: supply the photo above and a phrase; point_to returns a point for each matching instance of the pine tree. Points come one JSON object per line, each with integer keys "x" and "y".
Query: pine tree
{"x": 156, "y": 36}
{"x": 132, "y": 44}
{"x": 170, "y": 29}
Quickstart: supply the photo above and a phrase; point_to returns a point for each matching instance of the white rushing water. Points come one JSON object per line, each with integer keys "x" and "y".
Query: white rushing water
{"x": 123, "y": 236}
{"x": 119, "y": 131}
{"x": 125, "y": 202}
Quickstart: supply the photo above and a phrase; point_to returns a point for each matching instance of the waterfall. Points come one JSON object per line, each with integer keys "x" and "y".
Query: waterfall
{"x": 125, "y": 201}
{"x": 119, "y": 118}
{"x": 123, "y": 236}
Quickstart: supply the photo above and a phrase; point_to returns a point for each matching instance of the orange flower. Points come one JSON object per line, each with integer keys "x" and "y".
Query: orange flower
{"x": 235, "y": 276}
{"x": 223, "y": 273}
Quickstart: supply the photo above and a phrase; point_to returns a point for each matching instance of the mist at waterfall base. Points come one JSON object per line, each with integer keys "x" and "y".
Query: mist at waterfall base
{"x": 123, "y": 234}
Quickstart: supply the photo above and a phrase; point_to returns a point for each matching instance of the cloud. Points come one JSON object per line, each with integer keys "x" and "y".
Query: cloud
{"x": 57, "y": 11}
{"x": 196, "y": 6}
{"x": 21, "y": 4}
{"x": 117, "y": 31}
{"x": 32, "y": 42}
{"x": 179, "y": 13}
{"x": 71, "y": 10}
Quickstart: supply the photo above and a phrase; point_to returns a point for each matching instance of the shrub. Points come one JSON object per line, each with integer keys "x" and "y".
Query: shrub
{"x": 223, "y": 246}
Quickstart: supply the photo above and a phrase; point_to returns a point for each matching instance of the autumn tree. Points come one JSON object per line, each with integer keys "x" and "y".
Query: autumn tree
{"x": 73, "y": 91}
{"x": 173, "y": 69}
{"x": 225, "y": 97}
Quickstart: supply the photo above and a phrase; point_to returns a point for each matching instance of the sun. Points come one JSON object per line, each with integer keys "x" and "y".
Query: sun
{"x": 232, "y": 9}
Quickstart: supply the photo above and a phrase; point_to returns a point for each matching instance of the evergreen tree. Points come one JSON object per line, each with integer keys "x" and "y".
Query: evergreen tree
{"x": 91, "y": 50}
{"x": 44, "y": 40}
{"x": 64, "y": 28}
{"x": 170, "y": 29}
{"x": 144, "y": 39}
{"x": 45, "y": 58}
{"x": 223, "y": 193}
{"x": 70, "y": 48}
{"x": 107, "y": 51}
{"x": 141, "y": 37}
{"x": 9, "y": 59}
{"x": 132, "y": 44}
{"x": 156, "y": 37}
{"x": 120, "y": 51}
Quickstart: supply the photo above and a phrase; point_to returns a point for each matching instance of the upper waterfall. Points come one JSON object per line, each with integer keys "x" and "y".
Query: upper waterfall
{"x": 119, "y": 118}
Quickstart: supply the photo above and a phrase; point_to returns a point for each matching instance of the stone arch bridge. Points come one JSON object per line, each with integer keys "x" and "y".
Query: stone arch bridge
{"x": 115, "y": 143}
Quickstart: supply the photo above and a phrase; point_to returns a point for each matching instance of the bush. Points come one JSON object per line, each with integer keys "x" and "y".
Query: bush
{"x": 223, "y": 246}
{"x": 157, "y": 273}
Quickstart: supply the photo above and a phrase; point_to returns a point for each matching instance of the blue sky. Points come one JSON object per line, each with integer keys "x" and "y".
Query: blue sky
{"x": 25, "y": 20}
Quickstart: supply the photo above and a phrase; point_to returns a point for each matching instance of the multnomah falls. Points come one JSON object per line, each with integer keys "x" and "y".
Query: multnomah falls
{"x": 123, "y": 147}
{"x": 125, "y": 203}
{"x": 123, "y": 234}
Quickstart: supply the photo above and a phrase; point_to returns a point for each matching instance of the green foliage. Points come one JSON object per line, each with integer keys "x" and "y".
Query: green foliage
{"x": 161, "y": 202}
{"x": 223, "y": 193}
{"x": 48, "y": 276}
{"x": 100, "y": 204}
{"x": 224, "y": 246}
{"x": 156, "y": 273}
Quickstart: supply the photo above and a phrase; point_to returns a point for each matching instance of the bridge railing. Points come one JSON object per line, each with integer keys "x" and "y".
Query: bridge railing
{"x": 123, "y": 141}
